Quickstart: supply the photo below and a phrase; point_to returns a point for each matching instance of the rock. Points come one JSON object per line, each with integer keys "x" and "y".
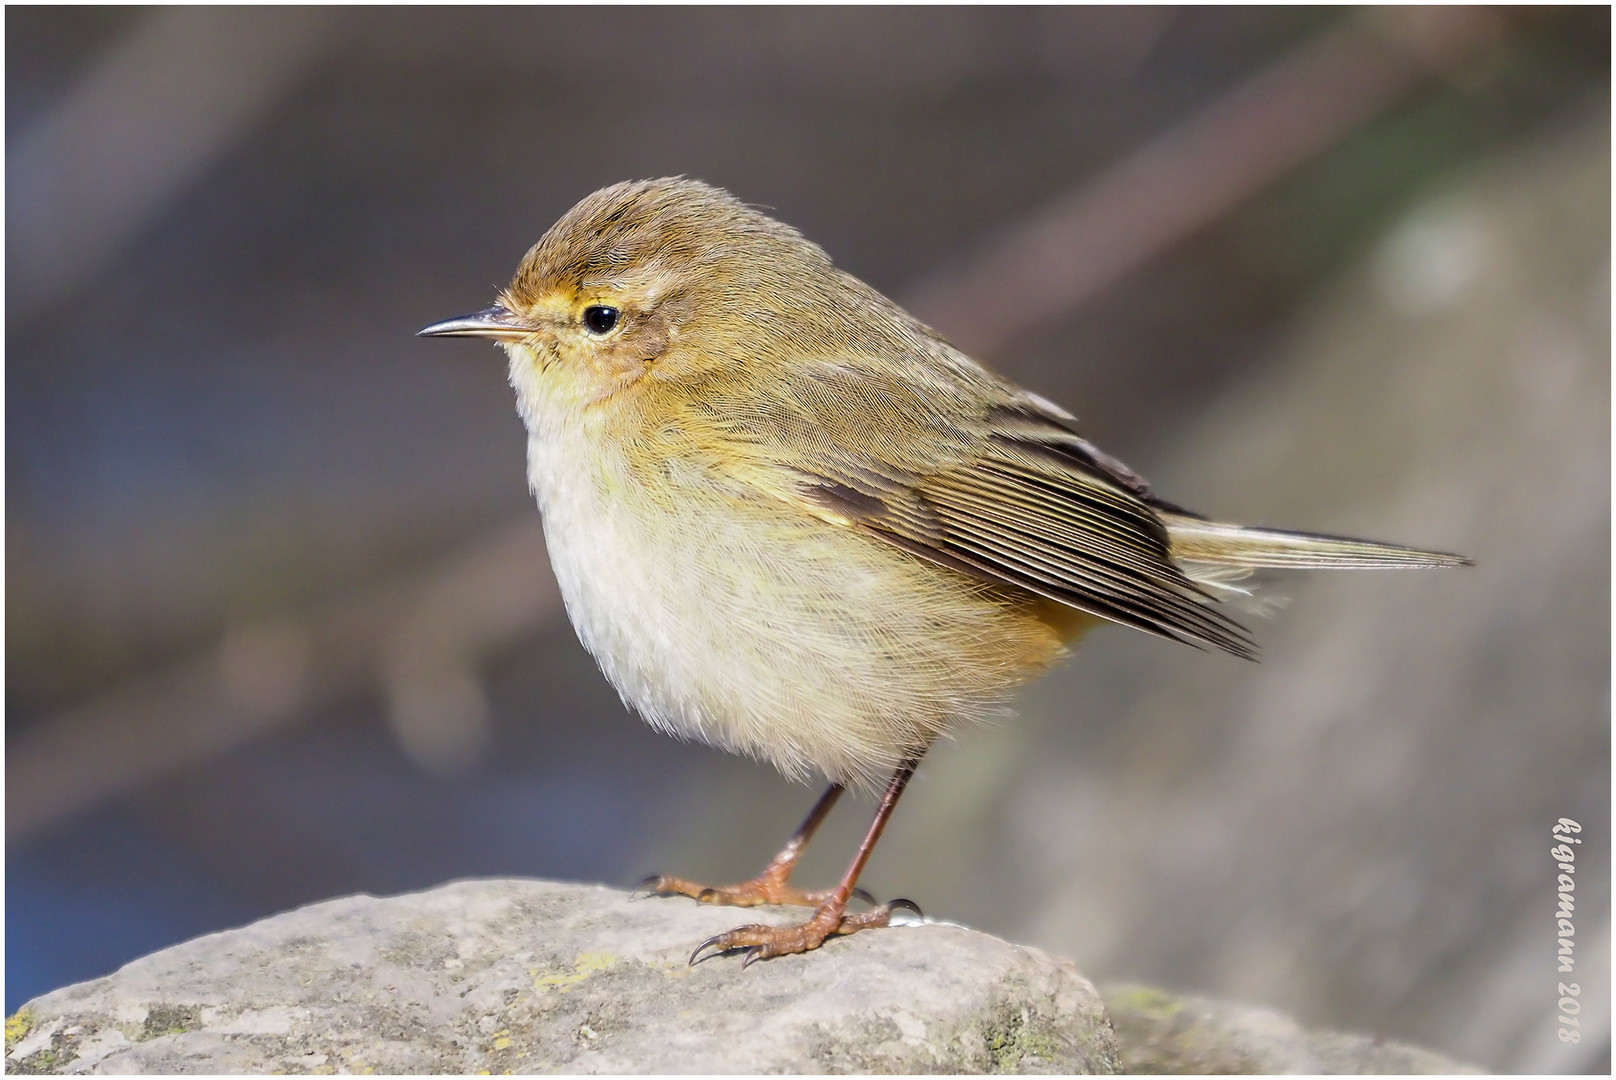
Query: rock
{"x": 1163, "y": 1033}
{"x": 534, "y": 976}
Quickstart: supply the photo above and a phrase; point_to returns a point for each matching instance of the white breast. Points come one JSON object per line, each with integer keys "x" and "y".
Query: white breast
{"x": 758, "y": 628}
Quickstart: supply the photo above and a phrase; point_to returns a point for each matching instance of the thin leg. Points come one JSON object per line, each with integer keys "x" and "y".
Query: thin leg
{"x": 762, "y": 942}
{"x": 769, "y": 887}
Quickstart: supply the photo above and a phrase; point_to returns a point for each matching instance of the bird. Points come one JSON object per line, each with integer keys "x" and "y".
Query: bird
{"x": 790, "y": 520}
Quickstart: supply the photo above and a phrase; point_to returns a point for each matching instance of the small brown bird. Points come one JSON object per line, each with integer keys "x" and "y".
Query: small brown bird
{"x": 790, "y": 520}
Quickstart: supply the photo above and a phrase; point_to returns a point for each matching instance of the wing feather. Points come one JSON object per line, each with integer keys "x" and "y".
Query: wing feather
{"x": 1005, "y": 491}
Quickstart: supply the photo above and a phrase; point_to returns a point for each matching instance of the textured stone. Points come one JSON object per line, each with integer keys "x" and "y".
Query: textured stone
{"x": 530, "y": 976}
{"x": 1165, "y": 1033}
{"x": 534, "y": 976}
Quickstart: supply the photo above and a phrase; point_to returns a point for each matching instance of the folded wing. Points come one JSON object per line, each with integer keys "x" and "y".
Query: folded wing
{"x": 1009, "y": 493}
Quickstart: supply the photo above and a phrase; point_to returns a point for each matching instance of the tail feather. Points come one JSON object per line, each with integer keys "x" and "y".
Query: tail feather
{"x": 1197, "y": 541}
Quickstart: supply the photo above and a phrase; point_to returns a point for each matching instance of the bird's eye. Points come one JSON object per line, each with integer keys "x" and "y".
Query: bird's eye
{"x": 600, "y": 320}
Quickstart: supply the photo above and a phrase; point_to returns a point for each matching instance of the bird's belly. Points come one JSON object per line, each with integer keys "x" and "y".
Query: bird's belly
{"x": 751, "y": 626}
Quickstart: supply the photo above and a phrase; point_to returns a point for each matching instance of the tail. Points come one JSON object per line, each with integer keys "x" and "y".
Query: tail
{"x": 1212, "y": 544}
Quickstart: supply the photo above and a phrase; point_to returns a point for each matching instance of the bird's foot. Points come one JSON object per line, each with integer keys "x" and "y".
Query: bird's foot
{"x": 760, "y": 942}
{"x": 766, "y": 888}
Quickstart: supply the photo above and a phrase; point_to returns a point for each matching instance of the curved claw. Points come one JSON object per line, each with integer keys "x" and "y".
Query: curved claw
{"x": 710, "y": 943}
{"x": 753, "y": 955}
{"x": 647, "y": 884}
{"x": 906, "y": 904}
{"x": 861, "y": 894}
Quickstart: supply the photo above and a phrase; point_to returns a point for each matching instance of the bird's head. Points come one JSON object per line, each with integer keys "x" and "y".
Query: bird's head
{"x": 669, "y": 279}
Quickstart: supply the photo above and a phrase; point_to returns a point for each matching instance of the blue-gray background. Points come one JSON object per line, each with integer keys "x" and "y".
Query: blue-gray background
{"x": 279, "y": 626}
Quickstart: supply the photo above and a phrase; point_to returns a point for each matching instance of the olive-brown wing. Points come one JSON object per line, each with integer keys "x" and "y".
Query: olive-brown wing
{"x": 1005, "y": 491}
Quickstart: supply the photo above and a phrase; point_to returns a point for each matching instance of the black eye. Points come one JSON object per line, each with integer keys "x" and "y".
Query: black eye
{"x": 600, "y": 320}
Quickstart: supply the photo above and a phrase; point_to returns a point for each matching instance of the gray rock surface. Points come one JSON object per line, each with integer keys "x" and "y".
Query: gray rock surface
{"x": 530, "y": 976}
{"x": 533, "y": 976}
{"x": 1165, "y": 1033}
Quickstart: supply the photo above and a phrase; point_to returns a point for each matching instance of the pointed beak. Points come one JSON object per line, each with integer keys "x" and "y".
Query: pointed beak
{"x": 496, "y": 322}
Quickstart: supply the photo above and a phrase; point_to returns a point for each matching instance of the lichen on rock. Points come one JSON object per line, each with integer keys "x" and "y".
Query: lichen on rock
{"x": 533, "y": 976}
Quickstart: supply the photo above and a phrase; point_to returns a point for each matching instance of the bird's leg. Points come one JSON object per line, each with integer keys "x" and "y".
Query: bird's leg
{"x": 762, "y": 942}
{"x": 769, "y": 887}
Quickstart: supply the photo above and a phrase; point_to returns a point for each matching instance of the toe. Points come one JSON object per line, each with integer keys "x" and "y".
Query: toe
{"x": 650, "y": 885}
{"x": 712, "y": 943}
{"x": 742, "y": 937}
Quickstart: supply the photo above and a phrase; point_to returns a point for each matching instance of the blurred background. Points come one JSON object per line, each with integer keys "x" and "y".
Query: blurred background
{"x": 280, "y": 626}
